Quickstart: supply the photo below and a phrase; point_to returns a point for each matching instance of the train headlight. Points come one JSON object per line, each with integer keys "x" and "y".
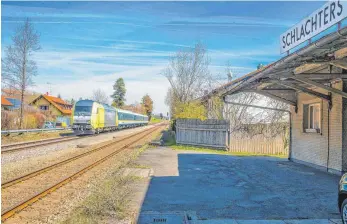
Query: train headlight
{"x": 88, "y": 126}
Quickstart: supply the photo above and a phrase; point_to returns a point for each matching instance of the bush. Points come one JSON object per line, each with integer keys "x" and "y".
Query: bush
{"x": 29, "y": 121}
{"x": 40, "y": 119}
{"x": 8, "y": 120}
{"x": 193, "y": 110}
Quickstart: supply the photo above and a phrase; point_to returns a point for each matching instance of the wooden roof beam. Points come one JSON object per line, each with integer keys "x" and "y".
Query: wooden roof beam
{"x": 322, "y": 76}
{"x": 272, "y": 96}
{"x": 308, "y": 66}
{"x": 264, "y": 85}
{"x": 340, "y": 63}
{"x": 319, "y": 85}
{"x": 303, "y": 89}
{"x": 280, "y": 89}
{"x": 341, "y": 53}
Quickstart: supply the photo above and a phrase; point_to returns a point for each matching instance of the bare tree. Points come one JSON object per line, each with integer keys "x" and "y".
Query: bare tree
{"x": 18, "y": 68}
{"x": 249, "y": 121}
{"x": 188, "y": 73}
{"x": 100, "y": 96}
{"x": 240, "y": 115}
{"x": 170, "y": 100}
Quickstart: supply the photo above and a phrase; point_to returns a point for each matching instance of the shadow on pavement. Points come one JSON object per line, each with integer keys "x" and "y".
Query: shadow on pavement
{"x": 221, "y": 187}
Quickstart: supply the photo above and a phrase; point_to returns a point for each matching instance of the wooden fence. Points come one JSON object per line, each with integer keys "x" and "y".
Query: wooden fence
{"x": 258, "y": 145}
{"x": 208, "y": 133}
{"x": 215, "y": 134}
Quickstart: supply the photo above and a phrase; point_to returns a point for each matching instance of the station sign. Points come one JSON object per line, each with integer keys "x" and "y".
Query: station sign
{"x": 323, "y": 18}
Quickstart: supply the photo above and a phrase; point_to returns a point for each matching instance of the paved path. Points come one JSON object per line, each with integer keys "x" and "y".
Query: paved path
{"x": 229, "y": 189}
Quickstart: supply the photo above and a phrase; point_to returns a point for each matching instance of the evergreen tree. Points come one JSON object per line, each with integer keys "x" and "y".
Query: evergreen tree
{"x": 118, "y": 96}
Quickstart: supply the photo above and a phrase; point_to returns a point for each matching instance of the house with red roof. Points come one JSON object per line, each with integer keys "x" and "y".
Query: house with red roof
{"x": 54, "y": 107}
{"x": 5, "y": 104}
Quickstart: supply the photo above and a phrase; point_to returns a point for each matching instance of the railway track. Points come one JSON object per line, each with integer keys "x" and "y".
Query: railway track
{"x": 28, "y": 145}
{"x": 32, "y": 144}
{"x": 36, "y": 185}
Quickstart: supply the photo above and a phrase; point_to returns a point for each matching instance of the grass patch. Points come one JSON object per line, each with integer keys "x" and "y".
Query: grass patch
{"x": 222, "y": 152}
{"x": 155, "y": 120}
{"x": 109, "y": 200}
{"x": 136, "y": 165}
{"x": 15, "y": 138}
{"x": 169, "y": 138}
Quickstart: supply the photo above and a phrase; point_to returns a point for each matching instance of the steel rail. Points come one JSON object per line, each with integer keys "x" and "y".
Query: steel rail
{"x": 31, "y": 142}
{"x": 23, "y": 146}
{"x": 17, "y": 208}
{"x": 33, "y": 130}
{"x": 48, "y": 168}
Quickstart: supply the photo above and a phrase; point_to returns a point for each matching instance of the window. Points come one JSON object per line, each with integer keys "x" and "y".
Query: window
{"x": 43, "y": 107}
{"x": 83, "y": 110}
{"x": 312, "y": 118}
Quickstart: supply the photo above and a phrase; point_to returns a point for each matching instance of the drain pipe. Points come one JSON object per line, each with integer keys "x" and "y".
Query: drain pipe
{"x": 275, "y": 109}
{"x": 328, "y": 140}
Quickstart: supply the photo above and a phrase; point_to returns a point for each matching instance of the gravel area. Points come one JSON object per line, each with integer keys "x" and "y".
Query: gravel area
{"x": 33, "y": 159}
{"x": 57, "y": 206}
{"x": 45, "y": 150}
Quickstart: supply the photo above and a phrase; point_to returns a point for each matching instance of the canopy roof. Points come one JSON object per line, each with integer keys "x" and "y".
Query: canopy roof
{"x": 313, "y": 66}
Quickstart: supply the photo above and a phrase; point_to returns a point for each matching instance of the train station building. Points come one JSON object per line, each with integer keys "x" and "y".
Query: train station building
{"x": 313, "y": 81}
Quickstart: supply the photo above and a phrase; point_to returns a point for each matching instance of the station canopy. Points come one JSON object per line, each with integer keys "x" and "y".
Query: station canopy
{"x": 313, "y": 67}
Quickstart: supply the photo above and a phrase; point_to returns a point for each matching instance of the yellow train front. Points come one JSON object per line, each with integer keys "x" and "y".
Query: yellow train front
{"x": 91, "y": 117}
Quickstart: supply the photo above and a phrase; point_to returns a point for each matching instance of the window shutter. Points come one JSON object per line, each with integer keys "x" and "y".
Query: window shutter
{"x": 305, "y": 117}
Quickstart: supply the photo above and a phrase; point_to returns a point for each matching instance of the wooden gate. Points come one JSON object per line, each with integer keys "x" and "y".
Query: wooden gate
{"x": 209, "y": 133}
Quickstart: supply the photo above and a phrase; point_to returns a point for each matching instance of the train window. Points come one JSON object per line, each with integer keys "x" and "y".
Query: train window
{"x": 83, "y": 110}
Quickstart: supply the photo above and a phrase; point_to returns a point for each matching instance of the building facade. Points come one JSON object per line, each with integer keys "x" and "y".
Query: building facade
{"x": 53, "y": 107}
{"x": 319, "y": 131}
{"x": 313, "y": 82}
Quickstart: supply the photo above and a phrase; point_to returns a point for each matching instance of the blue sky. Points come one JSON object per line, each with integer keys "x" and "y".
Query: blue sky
{"x": 88, "y": 45}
